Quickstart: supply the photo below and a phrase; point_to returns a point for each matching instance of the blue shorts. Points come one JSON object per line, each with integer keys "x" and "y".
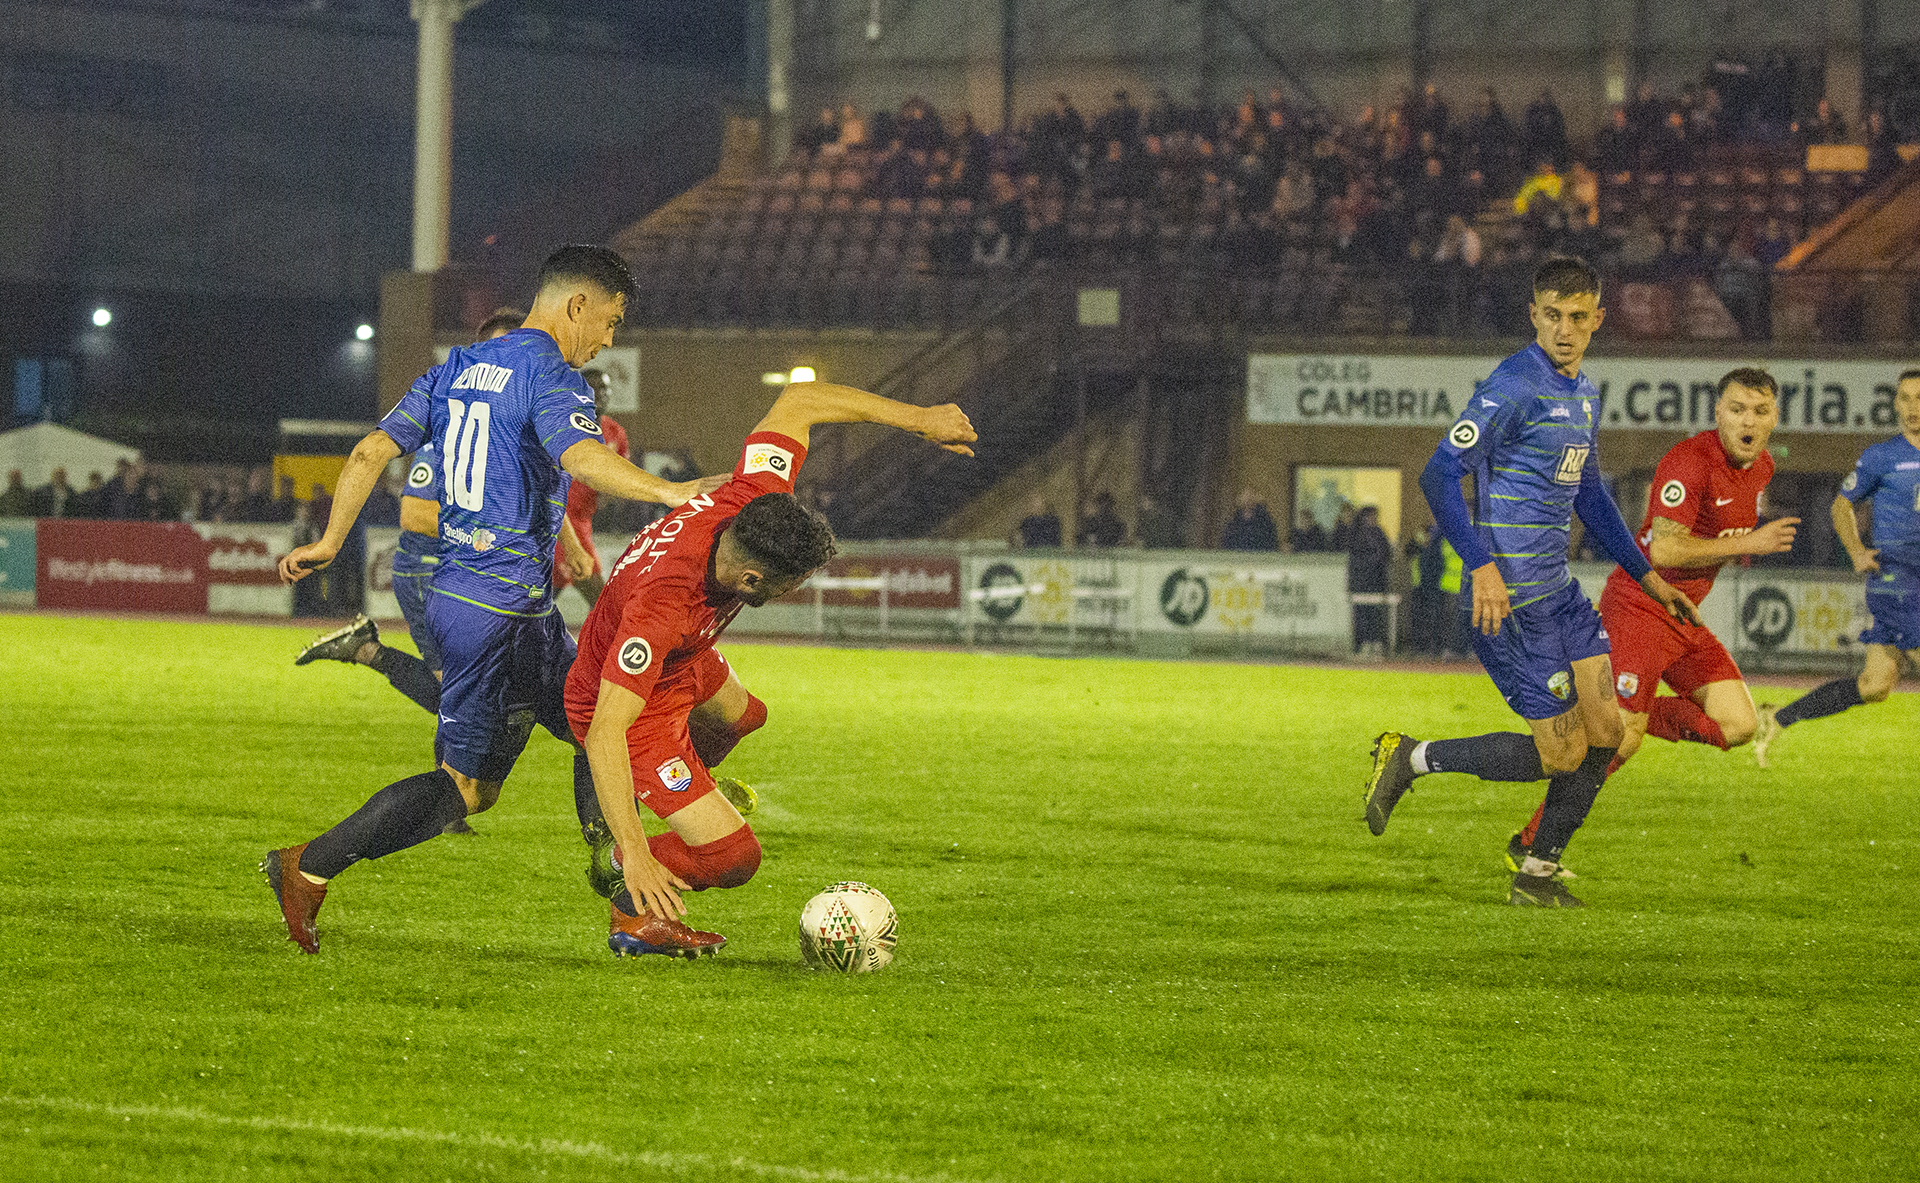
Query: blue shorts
{"x": 1896, "y": 618}
{"x": 411, "y": 591}
{"x": 503, "y": 674}
{"x": 1531, "y": 658}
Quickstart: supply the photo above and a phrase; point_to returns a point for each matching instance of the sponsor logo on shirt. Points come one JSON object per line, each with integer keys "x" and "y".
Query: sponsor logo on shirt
{"x": 1465, "y": 433}
{"x": 481, "y": 376}
{"x": 767, "y": 458}
{"x": 635, "y": 656}
{"x": 584, "y": 422}
{"x": 1559, "y": 413}
{"x": 1573, "y": 458}
{"x": 419, "y": 475}
{"x": 1672, "y": 493}
{"x": 480, "y": 539}
{"x": 1627, "y": 685}
{"x": 675, "y": 775}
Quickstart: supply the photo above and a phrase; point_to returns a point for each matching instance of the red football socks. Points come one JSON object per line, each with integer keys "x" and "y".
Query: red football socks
{"x": 728, "y": 862}
{"x": 1674, "y": 718}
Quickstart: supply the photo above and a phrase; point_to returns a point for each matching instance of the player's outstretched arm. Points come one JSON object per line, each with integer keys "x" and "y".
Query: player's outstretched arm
{"x": 804, "y": 404}
{"x": 606, "y": 471}
{"x": 369, "y": 459}
{"x": 1846, "y": 524}
{"x": 1673, "y": 545}
{"x": 652, "y": 885}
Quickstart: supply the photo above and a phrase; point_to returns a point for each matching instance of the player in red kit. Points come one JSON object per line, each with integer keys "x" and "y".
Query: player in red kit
{"x": 646, "y": 659}
{"x": 575, "y": 562}
{"x": 1703, "y": 509}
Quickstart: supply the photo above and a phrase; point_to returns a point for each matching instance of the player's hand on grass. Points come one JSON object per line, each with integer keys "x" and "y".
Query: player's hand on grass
{"x": 948, "y": 426}
{"x": 1672, "y": 599}
{"x": 303, "y": 561}
{"x": 1491, "y": 603}
{"x": 1774, "y": 538}
{"x": 653, "y": 885}
{"x": 1865, "y": 560}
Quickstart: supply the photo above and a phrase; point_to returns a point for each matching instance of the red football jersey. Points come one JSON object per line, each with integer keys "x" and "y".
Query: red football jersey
{"x": 1697, "y": 486}
{"x": 658, "y": 612}
{"x": 582, "y": 500}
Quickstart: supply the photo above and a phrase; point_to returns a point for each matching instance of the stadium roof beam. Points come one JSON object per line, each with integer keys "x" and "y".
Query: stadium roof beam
{"x": 1258, "y": 40}
{"x": 433, "y": 129}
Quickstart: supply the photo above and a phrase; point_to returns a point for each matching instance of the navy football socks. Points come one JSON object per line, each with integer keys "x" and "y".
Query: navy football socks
{"x": 1829, "y": 698}
{"x": 405, "y": 813}
{"x": 410, "y": 676}
{"x": 1503, "y": 755}
{"x": 1569, "y": 796}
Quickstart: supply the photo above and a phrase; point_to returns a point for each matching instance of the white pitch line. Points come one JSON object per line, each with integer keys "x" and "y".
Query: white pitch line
{"x": 549, "y": 1147}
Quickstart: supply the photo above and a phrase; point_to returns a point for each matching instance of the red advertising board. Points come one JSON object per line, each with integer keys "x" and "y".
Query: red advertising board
{"x": 914, "y": 581}
{"x": 125, "y": 566}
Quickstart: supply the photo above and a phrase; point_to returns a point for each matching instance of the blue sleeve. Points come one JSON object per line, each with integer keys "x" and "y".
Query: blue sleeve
{"x": 406, "y": 424}
{"x": 1440, "y": 481}
{"x": 423, "y": 475}
{"x": 563, "y": 411}
{"x": 1604, "y": 522}
{"x": 1864, "y": 479}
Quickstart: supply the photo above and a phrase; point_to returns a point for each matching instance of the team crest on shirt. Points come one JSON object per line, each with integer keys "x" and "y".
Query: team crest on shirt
{"x": 1465, "y": 434}
{"x": 675, "y": 775}
{"x": 1672, "y": 493}
{"x": 1852, "y": 482}
{"x": 420, "y": 476}
{"x": 635, "y": 656}
{"x": 1560, "y": 685}
{"x": 1627, "y": 685}
{"x": 767, "y": 458}
{"x": 583, "y": 422}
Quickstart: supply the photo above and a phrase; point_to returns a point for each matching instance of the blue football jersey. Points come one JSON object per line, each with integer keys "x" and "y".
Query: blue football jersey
{"x": 500, "y": 414}
{"x": 1889, "y": 472}
{"x": 1527, "y": 435}
{"x": 419, "y": 554}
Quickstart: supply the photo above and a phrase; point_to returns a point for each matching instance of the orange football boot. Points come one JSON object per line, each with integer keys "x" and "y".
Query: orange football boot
{"x": 635, "y": 936}
{"x": 300, "y": 898}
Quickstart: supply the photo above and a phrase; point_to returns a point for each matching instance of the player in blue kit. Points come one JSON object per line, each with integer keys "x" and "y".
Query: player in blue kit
{"x": 415, "y": 559}
{"x": 1528, "y": 437}
{"x": 511, "y": 421}
{"x": 1888, "y": 474}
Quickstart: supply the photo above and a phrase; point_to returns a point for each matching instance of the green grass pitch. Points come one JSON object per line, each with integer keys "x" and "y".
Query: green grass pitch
{"x": 1144, "y": 934}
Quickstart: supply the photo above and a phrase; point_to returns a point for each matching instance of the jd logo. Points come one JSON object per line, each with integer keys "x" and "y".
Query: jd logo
{"x": 999, "y": 608}
{"x": 1183, "y": 598}
{"x": 1767, "y": 617}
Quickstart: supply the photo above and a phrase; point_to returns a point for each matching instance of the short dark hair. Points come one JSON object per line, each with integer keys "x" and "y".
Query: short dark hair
{"x": 1906, "y": 376}
{"x": 601, "y": 266}
{"x": 500, "y": 319}
{"x": 1566, "y": 275}
{"x": 1751, "y": 377}
{"x": 775, "y": 531}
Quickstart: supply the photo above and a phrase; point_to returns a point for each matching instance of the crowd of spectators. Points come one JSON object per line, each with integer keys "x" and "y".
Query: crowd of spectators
{"x": 137, "y": 492}
{"x": 1451, "y": 204}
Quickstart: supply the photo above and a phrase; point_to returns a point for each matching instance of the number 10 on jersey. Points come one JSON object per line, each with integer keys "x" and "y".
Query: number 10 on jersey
{"x": 465, "y": 453}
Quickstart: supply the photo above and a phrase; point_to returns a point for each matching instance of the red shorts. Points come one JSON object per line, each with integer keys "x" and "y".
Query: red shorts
{"x": 667, "y": 774}
{"x": 1650, "y": 647}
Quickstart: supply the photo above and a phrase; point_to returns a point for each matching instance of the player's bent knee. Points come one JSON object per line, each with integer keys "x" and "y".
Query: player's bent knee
{"x": 731, "y": 861}
{"x": 1737, "y": 731}
{"x": 1562, "y": 757}
{"x": 486, "y": 795}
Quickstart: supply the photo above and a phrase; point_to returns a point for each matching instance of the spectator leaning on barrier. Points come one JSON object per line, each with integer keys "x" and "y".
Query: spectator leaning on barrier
{"x": 1041, "y": 526}
{"x": 1307, "y": 537}
{"x": 92, "y": 501}
{"x": 1156, "y": 528}
{"x": 52, "y": 499}
{"x": 1369, "y": 563}
{"x": 16, "y": 502}
{"x": 1251, "y": 527}
{"x": 1100, "y": 524}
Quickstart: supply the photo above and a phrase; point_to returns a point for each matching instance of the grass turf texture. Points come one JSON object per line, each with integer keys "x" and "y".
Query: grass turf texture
{"x": 1144, "y": 935}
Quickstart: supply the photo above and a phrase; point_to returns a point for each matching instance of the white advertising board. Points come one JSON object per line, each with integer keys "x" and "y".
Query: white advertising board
{"x": 1636, "y": 393}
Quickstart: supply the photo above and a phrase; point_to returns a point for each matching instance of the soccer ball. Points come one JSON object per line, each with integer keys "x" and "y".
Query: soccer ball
{"x": 848, "y": 927}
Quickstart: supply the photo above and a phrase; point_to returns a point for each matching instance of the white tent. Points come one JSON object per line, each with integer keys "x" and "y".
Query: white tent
{"x": 38, "y": 449}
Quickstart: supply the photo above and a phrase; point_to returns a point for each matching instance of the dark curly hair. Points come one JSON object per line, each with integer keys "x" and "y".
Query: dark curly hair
{"x": 777, "y": 532}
